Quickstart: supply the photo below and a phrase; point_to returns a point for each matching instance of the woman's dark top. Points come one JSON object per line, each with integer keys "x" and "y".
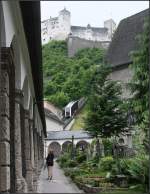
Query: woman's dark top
{"x": 50, "y": 160}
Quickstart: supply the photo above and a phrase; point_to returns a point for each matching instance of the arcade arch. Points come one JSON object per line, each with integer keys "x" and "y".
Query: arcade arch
{"x": 56, "y": 148}
{"x": 82, "y": 145}
{"x": 66, "y": 146}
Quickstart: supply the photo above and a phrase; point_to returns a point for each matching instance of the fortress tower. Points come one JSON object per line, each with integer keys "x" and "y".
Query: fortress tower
{"x": 57, "y": 28}
{"x": 64, "y": 24}
{"x": 111, "y": 26}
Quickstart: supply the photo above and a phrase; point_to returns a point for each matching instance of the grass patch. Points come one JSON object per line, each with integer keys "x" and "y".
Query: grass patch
{"x": 79, "y": 119}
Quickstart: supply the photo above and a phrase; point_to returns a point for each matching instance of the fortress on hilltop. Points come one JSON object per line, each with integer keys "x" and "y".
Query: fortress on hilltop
{"x": 60, "y": 28}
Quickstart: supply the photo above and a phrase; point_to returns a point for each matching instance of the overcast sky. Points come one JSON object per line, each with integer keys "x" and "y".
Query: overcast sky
{"x": 93, "y": 12}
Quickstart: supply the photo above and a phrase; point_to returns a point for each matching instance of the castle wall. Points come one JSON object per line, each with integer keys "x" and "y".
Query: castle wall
{"x": 90, "y": 34}
{"x": 74, "y": 44}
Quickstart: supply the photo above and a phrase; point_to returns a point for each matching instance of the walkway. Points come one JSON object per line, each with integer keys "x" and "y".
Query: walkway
{"x": 59, "y": 184}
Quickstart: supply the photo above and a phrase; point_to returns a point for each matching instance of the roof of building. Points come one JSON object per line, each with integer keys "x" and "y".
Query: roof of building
{"x": 31, "y": 16}
{"x": 55, "y": 18}
{"x": 109, "y": 20}
{"x": 64, "y": 11}
{"x": 94, "y": 29}
{"x": 61, "y": 135}
{"x": 124, "y": 40}
{"x": 70, "y": 104}
{"x": 51, "y": 115}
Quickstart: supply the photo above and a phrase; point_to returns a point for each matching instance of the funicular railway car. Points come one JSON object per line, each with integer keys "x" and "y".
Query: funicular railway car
{"x": 71, "y": 108}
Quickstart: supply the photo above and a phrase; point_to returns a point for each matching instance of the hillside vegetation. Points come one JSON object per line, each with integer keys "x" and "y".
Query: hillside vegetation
{"x": 67, "y": 79}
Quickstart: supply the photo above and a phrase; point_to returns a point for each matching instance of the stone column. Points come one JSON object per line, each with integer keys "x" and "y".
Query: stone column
{"x": 35, "y": 174}
{"x": 32, "y": 142}
{"x": 42, "y": 139}
{"x": 42, "y": 150}
{"x": 21, "y": 185}
{"x": 4, "y": 133}
{"x": 39, "y": 154}
{"x": 29, "y": 170}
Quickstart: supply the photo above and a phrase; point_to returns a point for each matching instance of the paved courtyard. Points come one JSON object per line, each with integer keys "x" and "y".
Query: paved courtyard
{"x": 59, "y": 184}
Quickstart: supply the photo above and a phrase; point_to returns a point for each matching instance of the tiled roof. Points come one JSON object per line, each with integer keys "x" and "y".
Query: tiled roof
{"x": 60, "y": 135}
{"x": 124, "y": 40}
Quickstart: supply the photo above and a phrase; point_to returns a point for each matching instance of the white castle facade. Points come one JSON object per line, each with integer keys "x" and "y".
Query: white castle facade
{"x": 59, "y": 28}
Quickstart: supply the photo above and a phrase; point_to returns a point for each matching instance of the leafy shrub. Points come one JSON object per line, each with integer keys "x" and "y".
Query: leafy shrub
{"x": 71, "y": 163}
{"x": 124, "y": 166}
{"x": 106, "y": 163}
{"x": 138, "y": 168}
{"x": 92, "y": 164}
{"x": 73, "y": 172}
{"x": 95, "y": 159}
{"x": 114, "y": 169}
{"x": 81, "y": 158}
{"x": 63, "y": 159}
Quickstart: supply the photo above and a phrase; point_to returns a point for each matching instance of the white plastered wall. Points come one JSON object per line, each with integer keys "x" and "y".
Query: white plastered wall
{"x": 53, "y": 125}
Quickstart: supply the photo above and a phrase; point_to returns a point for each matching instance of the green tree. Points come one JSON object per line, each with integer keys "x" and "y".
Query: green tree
{"x": 106, "y": 116}
{"x": 60, "y": 98}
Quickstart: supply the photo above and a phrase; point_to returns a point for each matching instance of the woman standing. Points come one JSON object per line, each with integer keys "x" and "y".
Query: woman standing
{"x": 50, "y": 163}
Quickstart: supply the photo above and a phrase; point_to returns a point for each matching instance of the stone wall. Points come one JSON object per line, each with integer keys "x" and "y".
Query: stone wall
{"x": 74, "y": 44}
{"x": 90, "y": 33}
{"x": 124, "y": 75}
